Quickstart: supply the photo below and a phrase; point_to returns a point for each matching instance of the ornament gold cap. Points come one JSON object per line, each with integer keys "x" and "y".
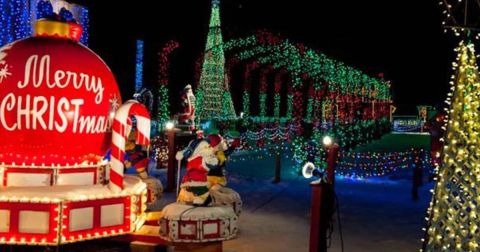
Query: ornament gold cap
{"x": 58, "y": 29}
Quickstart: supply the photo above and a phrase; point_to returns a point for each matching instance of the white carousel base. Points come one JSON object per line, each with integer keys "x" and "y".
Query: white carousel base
{"x": 154, "y": 195}
{"x": 52, "y": 215}
{"x": 220, "y": 196}
{"x": 187, "y": 223}
{"x": 224, "y": 196}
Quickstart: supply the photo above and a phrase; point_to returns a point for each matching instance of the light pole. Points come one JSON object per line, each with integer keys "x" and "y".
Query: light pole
{"x": 322, "y": 196}
{"x": 332, "y": 156}
{"x": 170, "y": 128}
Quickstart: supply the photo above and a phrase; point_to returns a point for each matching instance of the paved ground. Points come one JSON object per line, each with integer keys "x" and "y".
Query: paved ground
{"x": 376, "y": 214}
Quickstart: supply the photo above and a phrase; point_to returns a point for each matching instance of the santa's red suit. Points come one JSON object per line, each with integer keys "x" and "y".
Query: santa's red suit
{"x": 200, "y": 159}
{"x": 187, "y": 116}
{"x": 196, "y": 173}
{"x": 187, "y": 113}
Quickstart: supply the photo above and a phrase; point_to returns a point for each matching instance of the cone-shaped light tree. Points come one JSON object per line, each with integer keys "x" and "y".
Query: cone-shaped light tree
{"x": 453, "y": 223}
{"x": 213, "y": 94}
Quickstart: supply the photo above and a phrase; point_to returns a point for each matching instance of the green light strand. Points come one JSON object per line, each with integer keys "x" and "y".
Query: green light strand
{"x": 198, "y": 107}
{"x": 227, "y": 105}
{"x": 246, "y": 104}
{"x": 342, "y": 78}
{"x": 163, "y": 112}
{"x": 213, "y": 83}
{"x": 276, "y": 109}
{"x": 263, "y": 104}
{"x": 308, "y": 117}
{"x": 289, "y": 106}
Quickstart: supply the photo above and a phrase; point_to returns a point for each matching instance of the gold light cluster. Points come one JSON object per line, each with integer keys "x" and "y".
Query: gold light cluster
{"x": 453, "y": 223}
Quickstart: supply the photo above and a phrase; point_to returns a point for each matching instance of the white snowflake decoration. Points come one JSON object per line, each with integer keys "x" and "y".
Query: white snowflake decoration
{"x": 114, "y": 103}
{"x": 4, "y": 73}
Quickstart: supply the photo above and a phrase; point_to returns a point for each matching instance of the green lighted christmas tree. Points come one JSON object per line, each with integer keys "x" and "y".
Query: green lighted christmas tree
{"x": 213, "y": 94}
{"x": 453, "y": 213}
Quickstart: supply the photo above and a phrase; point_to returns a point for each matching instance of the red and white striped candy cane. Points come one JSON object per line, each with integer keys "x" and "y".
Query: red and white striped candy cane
{"x": 120, "y": 131}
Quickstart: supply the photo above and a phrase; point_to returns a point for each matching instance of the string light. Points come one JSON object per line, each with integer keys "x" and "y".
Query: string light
{"x": 14, "y": 21}
{"x": 213, "y": 94}
{"x": 246, "y": 88}
{"x": 139, "y": 67}
{"x": 289, "y": 113}
{"x": 277, "y": 90}
{"x": 163, "y": 102}
{"x": 459, "y": 27}
{"x": 263, "y": 90}
{"x": 453, "y": 222}
{"x": 81, "y": 13}
{"x": 17, "y": 16}
{"x": 362, "y": 165}
{"x": 298, "y": 60}
{"x": 60, "y": 209}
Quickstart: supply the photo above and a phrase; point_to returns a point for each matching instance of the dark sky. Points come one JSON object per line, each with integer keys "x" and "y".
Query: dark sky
{"x": 402, "y": 39}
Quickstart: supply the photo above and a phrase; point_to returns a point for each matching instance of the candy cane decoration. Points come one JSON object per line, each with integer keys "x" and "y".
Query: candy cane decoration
{"x": 121, "y": 129}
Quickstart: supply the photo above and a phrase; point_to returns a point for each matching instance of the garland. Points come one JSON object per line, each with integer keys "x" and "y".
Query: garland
{"x": 299, "y": 60}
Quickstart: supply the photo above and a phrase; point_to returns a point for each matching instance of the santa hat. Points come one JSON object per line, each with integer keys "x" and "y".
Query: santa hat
{"x": 214, "y": 139}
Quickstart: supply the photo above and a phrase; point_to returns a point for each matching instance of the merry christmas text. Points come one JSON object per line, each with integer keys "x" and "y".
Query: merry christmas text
{"x": 49, "y": 113}
{"x": 37, "y": 72}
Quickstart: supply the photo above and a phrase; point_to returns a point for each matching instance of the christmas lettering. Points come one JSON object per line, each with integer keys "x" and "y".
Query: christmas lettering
{"x": 39, "y": 112}
{"x": 36, "y": 71}
{"x": 52, "y": 113}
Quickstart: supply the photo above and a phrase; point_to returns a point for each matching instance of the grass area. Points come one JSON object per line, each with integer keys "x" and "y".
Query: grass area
{"x": 396, "y": 142}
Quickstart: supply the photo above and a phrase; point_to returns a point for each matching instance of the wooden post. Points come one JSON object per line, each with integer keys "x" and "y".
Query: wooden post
{"x": 317, "y": 239}
{"x": 322, "y": 203}
{"x": 171, "y": 161}
{"x": 321, "y": 214}
{"x": 278, "y": 166}
{"x": 315, "y": 217}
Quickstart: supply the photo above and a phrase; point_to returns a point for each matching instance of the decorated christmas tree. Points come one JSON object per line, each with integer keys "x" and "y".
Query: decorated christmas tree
{"x": 213, "y": 94}
{"x": 453, "y": 214}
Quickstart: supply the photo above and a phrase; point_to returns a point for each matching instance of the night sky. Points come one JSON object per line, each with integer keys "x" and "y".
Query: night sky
{"x": 402, "y": 39}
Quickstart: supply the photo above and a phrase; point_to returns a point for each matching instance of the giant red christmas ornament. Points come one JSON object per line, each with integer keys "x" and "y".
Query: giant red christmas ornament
{"x": 57, "y": 100}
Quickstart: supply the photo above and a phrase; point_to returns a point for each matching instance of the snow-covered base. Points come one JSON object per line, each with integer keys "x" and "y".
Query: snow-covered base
{"x": 225, "y": 196}
{"x": 221, "y": 196}
{"x": 154, "y": 196}
{"x": 64, "y": 214}
{"x": 187, "y": 223}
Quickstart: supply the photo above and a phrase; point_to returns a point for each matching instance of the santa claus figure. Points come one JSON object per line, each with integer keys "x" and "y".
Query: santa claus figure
{"x": 204, "y": 181}
{"x": 200, "y": 159}
{"x": 216, "y": 177}
{"x": 219, "y": 194}
{"x": 187, "y": 116}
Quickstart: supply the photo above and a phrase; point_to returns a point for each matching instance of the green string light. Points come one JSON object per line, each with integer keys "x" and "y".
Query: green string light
{"x": 213, "y": 84}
